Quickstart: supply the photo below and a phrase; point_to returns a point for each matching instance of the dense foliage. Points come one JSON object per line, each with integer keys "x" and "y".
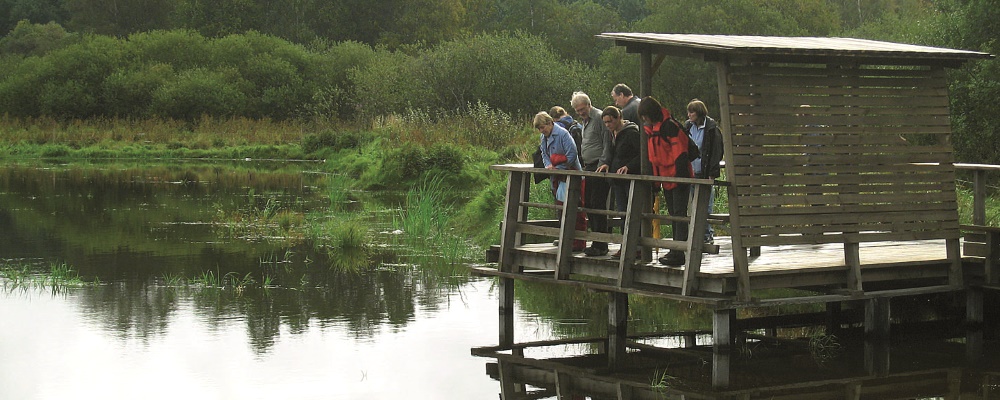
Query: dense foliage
{"x": 355, "y": 61}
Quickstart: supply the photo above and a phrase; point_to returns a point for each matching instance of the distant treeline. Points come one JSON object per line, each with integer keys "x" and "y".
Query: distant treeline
{"x": 344, "y": 59}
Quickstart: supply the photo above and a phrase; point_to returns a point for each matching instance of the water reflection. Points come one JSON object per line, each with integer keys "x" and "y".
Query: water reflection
{"x": 137, "y": 227}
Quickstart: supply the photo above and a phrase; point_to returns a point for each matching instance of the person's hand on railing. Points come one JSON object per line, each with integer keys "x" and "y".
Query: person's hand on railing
{"x": 623, "y": 170}
{"x": 602, "y": 168}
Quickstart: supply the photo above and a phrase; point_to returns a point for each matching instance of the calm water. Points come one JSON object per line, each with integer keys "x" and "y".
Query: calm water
{"x": 309, "y": 323}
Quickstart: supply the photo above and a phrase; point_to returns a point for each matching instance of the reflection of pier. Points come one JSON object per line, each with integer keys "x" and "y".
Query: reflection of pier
{"x": 853, "y": 202}
{"x": 774, "y": 370}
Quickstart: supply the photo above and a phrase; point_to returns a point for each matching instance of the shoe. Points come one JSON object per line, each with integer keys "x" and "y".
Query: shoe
{"x": 595, "y": 251}
{"x": 618, "y": 254}
{"x": 673, "y": 259}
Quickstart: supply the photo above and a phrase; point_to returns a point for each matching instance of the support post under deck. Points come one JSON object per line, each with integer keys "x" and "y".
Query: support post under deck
{"x": 617, "y": 328}
{"x": 974, "y": 320}
{"x": 877, "y": 319}
{"x": 506, "y": 312}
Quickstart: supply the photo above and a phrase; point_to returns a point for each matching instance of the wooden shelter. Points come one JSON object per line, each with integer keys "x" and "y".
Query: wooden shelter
{"x": 840, "y": 181}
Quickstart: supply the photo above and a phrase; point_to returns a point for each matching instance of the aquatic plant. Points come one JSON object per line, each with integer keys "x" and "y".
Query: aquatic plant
{"x": 662, "y": 381}
{"x": 425, "y": 212}
{"x": 824, "y": 348}
{"x": 56, "y": 277}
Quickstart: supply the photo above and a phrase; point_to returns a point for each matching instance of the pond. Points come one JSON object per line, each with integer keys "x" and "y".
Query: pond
{"x": 170, "y": 280}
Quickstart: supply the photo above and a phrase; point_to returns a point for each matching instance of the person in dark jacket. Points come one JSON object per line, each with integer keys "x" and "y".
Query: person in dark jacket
{"x": 706, "y": 134}
{"x": 668, "y": 155}
{"x": 624, "y": 154}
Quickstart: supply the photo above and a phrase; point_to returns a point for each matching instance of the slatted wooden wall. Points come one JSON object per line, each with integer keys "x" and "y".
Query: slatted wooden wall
{"x": 825, "y": 154}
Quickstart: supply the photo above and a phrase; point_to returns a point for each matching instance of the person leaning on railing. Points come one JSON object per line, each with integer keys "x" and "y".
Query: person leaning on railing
{"x": 624, "y": 155}
{"x": 668, "y": 153}
{"x": 559, "y": 152}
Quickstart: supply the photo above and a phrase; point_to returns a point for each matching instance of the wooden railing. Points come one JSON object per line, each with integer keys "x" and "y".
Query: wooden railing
{"x": 982, "y": 240}
{"x": 636, "y": 238}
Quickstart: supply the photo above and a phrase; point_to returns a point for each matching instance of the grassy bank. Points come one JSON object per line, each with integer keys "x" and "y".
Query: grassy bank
{"x": 397, "y": 152}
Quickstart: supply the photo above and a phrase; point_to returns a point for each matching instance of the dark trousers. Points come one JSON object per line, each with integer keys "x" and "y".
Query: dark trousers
{"x": 677, "y": 206}
{"x": 621, "y": 188}
{"x": 595, "y": 196}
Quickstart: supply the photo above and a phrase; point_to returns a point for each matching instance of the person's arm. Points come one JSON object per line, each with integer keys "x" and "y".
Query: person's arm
{"x": 545, "y": 153}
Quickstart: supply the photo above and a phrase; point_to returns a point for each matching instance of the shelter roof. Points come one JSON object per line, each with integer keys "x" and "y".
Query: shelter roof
{"x": 794, "y": 49}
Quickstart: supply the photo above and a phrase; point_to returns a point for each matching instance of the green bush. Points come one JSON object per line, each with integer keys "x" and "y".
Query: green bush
{"x": 330, "y": 139}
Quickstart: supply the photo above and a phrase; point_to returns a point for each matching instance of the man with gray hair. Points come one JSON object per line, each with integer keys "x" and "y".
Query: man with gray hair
{"x": 594, "y": 152}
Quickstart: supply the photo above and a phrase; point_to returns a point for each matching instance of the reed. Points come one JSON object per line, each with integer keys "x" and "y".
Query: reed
{"x": 424, "y": 214}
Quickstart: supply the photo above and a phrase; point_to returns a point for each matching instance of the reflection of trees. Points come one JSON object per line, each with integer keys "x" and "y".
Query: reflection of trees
{"x": 132, "y": 226}
{"x": 129, "y": 309}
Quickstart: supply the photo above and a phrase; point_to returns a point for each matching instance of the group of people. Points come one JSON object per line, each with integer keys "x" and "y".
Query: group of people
{"x": 608, "y": 141}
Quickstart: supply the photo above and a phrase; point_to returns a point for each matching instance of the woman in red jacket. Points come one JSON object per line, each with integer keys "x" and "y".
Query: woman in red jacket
{"x": 668, "y": 154}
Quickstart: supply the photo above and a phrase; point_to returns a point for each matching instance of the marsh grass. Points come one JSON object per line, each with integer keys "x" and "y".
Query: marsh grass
{"x": 204, "y": 133}
{"x": 339, "y": 191}
{"x": 56, "y": 276}
{"x": 425, "y": 213}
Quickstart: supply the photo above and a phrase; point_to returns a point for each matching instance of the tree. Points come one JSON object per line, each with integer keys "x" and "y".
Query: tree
{"x": 119, "y": 17}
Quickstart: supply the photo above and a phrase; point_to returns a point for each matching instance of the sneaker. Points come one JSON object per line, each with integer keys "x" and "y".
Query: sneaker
{"x": 595, "y": 251}
{"x": 673, "y": 259}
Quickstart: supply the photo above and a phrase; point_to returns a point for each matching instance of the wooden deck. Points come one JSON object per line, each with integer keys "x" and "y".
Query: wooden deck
{"x": 920, "y": 266}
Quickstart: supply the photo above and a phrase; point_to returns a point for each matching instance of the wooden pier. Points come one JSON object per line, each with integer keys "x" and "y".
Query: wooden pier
{"x": 841, "y": 186}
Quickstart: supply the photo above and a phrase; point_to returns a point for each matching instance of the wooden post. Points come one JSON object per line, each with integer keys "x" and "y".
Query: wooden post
{"x": 979, "y": 197}
{"x": 833, "y": 318}
{"x": 877, "y": 322}
{"x": 567, "y": 228}
{"x": 974, "y": 319}
{"x": 506, "y": 312}
{"x": 513, "y": 212}
{"x": 723, "y": 322}
{"x": 696, "y": 235}
{"x": 852, "y": 258}
{"x": 741, "y": 262}
{"x": 509, "y": 389}
{"x": 877, "y": 359}
{"x": 720, "y": 368}
{"x": 638, "y": 195}
{"x": 991, "y": 273}
{"x": 954, "y": 247}
{"x": 617, "y": 328}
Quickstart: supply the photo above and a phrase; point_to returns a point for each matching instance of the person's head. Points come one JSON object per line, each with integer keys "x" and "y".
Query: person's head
{"x": 621, "y": 94}
{"x": 581, "y": 104}
{"x": 557, "y": 112}
{"x": 543, "y": 122}
{"x": 612, "y": 117}
{"x": 650, "y": 110}
{"x": 697, "y": 111}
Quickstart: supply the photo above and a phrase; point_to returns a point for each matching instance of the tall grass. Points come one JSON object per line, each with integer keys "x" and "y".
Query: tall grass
{"x": 425, "y": 213}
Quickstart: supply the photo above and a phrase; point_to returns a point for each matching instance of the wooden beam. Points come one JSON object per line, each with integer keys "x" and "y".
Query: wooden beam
{"x": 696, "y": 235}
{"x": 617, "y": 329}
{"x": 852, "y": 258}
{"x": 513, "y": 213}
{"x": 567, "y": 232}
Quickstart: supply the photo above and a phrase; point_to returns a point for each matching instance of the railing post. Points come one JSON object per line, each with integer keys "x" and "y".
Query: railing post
{"x": 638, "y": 198}
{"x": 513, "y": 213}
{"x": 567, "y": 226}
{"x": 696, "y": 235}
{"x": 979, "y": 197}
